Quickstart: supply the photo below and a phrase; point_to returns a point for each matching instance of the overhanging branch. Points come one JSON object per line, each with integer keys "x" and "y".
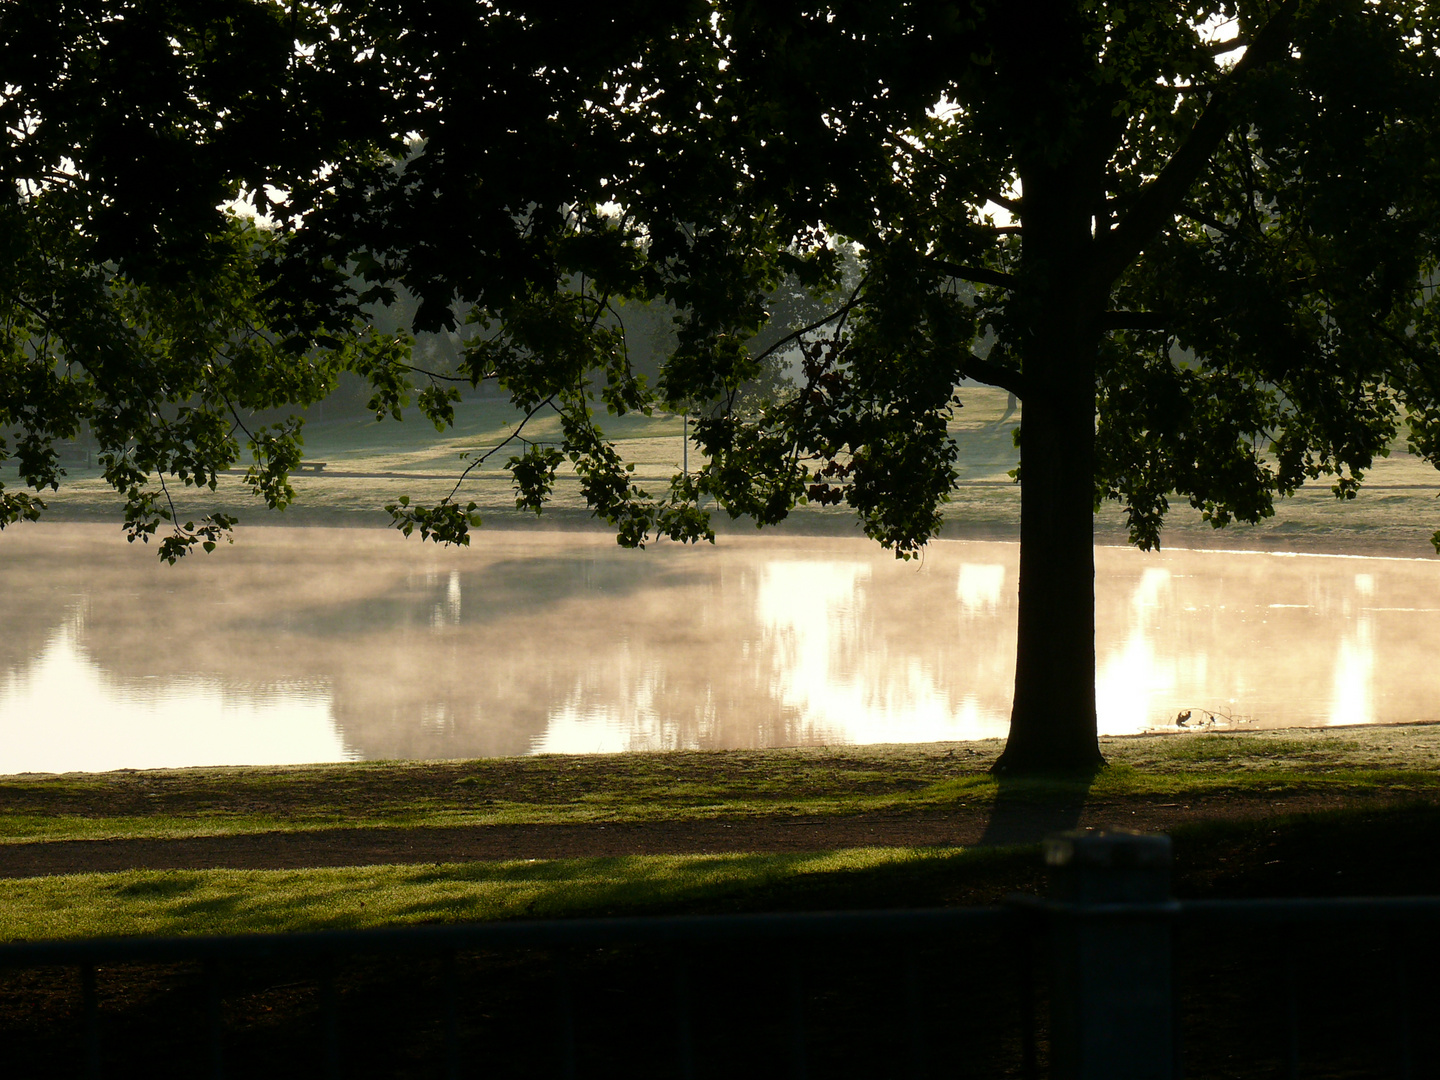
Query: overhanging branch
{"x": 979, "y": 275}
{"x": 1220, "y": 48}
{"x": 1200, "y": 217}
{"x": 993, "y": 374}
{"x": 795, "y": 335}
{"x": 1164, "y": 195}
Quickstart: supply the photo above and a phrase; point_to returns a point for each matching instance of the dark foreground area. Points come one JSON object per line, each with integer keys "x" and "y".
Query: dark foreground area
{"x": 919, "y": 1007}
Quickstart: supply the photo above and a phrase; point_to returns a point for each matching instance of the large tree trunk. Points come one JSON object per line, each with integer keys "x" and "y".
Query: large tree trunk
{"x": 1052, "y": 722}
{"x": 1059, "y": 297}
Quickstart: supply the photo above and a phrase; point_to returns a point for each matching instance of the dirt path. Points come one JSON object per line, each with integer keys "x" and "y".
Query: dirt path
{"x": 1003, "y": 823}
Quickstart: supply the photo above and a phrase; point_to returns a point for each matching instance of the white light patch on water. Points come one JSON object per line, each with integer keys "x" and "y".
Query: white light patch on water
{"x": 597, "y": 730}
{"x": 1354, "y": 669}
{"x": 447, "y": 613}
{"x": 978, "y": 588}
{"x": 833, "y": 675}
{"x": 1355, "y": 666}
{"x": 1129, "y": 679}
{"x": 590, "y": 722}
{"x": 91, "y": 725}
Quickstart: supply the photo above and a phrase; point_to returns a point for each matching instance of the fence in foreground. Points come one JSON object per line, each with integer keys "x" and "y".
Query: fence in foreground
{"x": 1107, "y": 977}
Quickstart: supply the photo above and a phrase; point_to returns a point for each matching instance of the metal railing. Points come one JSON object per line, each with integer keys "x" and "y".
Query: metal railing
{"x": 1117, "y": 995}
{"x": 1294, "y": 926}
{"x": 786, "y": 939}
{"x": 1091, "y": 973}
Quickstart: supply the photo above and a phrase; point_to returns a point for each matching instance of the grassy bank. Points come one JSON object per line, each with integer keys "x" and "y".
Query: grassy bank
{"x": 1360, "y": 762}
{"x": 1350, "y": 852}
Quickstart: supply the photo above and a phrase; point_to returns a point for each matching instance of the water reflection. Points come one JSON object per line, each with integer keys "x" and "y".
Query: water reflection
{"x": 839, "y": 678}
{"x": 1132, "y": 676}
{"x": 1355, "y": 664}
{"x": 980, "y": 587}
{"x": 322, "y": 645}
{"x": 64, "y": 712}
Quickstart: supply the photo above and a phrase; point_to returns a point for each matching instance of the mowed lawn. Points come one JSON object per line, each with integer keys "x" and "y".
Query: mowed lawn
{"x": 1368, "y": 776}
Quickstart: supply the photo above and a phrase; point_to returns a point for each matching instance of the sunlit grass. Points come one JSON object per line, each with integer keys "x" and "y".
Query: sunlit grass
{"x": 1377, "y": 762}
{"x": 245, "y": 901}
{"x": 1370, "y": 842}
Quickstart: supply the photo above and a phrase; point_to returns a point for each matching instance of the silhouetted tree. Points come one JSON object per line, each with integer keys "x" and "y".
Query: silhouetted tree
{"x": 1195, "y": 235}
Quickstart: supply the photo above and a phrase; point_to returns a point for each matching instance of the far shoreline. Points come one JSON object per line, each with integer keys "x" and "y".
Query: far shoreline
{"x": 1236, "y": 539}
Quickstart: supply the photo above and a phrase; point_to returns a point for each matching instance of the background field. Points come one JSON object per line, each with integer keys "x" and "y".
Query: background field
{"x": 370, "y": 463}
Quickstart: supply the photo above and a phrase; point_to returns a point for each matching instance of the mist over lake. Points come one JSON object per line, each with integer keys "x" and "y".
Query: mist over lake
{"x": 302, "y": 645}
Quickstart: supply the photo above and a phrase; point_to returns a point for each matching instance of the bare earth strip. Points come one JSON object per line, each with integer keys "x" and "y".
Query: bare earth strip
{"x": 1003, "y": 823}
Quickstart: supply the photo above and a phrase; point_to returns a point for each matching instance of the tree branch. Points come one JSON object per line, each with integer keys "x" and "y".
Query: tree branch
{"x": 435, "y": 376}
{"x": 512, "y": 437}
{"x": 1220, "y": 48}
{"x": 1200, "y": 217}
{"x": 977, "y": 274}
{"x": 839, "y": 313}
{"x": 993, "y": 374}
{"x": 1118, "y": 248}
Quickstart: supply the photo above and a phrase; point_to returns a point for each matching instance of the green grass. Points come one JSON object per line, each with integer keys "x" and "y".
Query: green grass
{"x": 241, "y": 901}
{"x": 1359, "y": 851}
{"x": 1362, "y": 763}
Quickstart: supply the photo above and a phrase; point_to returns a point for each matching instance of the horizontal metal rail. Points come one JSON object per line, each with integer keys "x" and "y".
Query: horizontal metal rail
{"x": 1333, "y": 909}
{"x": 1326, "y": 909}
{"x": 506, "y": 935}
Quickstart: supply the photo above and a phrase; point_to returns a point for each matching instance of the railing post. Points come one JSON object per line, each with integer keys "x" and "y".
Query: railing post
{"x": 1112, "y": 1014}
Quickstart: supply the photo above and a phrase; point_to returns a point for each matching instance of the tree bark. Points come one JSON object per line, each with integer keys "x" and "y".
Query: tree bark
{"x": 1052, "y": 720}
{"x": 1062, "y": 286}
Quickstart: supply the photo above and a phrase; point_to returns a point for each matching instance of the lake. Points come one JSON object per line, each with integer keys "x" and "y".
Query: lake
{"x": 307, "y": 645}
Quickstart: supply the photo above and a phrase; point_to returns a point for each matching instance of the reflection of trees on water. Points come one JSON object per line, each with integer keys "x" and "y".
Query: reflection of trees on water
{"x": 1276, "y": 639}
{"x": 564, "y": 642}
{"x": 1131, "y": 675}
{"x": 518, "y": 645}
{"x": 872, "y": 651}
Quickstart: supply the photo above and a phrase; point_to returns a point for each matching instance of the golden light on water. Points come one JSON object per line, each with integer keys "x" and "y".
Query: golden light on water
{"x": 66, "y": 714}
{"x": 313, "y": 645}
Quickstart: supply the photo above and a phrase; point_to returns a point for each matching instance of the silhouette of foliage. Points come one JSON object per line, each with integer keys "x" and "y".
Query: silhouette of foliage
{"x": 1197, "y": 238}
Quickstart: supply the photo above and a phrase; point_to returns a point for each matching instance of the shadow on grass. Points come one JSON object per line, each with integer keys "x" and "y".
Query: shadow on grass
{"x": 1028, "y": 810}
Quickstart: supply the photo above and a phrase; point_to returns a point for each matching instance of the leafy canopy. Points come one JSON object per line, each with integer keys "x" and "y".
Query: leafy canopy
{"x": 1237, "y": 198}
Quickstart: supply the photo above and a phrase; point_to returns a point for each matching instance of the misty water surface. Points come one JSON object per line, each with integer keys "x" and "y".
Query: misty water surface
{"x": 321, "y": 645}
